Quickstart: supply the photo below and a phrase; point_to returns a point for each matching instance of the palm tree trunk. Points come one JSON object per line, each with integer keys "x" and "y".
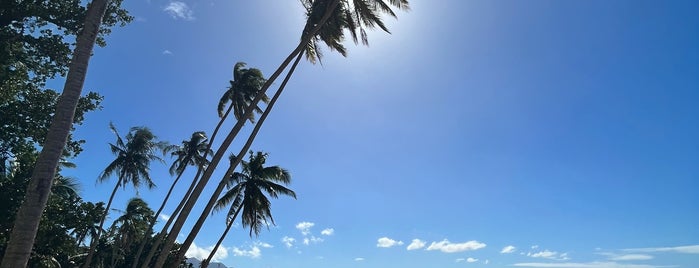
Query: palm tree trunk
{"x": 95, "y": 240}
{"x": 19, "y": 248}
{"x": 235, "y": 163}
{"x": 206, "y": 263}
{"x": 170, "y": 240}
{"x": 173, "y": 216}
{"x": 154, "y": 220}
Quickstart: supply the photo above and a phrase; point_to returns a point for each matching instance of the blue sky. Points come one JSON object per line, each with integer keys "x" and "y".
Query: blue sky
{"x": 558, "y": 134}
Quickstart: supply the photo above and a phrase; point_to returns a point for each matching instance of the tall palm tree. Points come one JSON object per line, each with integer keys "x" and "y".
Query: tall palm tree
{"x": 19, "y": 247}
{"x": 132, "y": 166}
{"x": 359, "y": 16}
{"x": 245, "y": 85}
{"x": 192, "y": 152}
{"x": 247, "y": 194}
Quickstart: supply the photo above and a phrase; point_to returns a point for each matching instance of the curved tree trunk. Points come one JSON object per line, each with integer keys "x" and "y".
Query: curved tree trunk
{"x": 163, "y": 232}
{"x": 19, "y": 248}
{"x": 94, "y": 241}
{"x": 235, "y": 163}
{"x": 206, "y": 262}
{"x": 170, "y": 240}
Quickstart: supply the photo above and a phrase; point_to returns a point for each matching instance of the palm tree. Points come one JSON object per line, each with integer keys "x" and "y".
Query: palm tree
{"x": 192, "y": 152}
{"x": 356, "y": 16}
{"x": 243, "y": 88}
{"x": 131, "y": 166}
{"x": 21, "y": 242}
{"x": 132, "y": 225}
{"x": 246, "y": 194}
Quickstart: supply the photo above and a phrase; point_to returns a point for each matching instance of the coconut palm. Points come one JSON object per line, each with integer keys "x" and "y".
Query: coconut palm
{"x": 243, "y": 88}
{"x": 131, "y": 166}
{"x": 247, "y": 194}
{"x": 354, "y": 15}
{"x": 19, "y": 247}
{"x": 132, "y": 226}
{"x": 192, "y": 152}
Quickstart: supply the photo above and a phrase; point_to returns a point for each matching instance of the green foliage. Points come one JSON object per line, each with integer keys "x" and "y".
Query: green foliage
{"x": 38, "y": 35}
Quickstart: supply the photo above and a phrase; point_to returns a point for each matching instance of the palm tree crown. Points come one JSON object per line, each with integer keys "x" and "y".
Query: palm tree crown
{"x": 247, "y": 191}
{"x": 133, "y": 157}
{"x": 245, "y": 85}
{"x": 190, "y": 153}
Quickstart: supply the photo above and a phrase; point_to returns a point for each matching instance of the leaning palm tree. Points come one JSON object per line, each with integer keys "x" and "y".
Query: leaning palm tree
{"x": 245, "y": 85}
{"x": 132, "y": 166}
{"x": 246, "y": 194}
{"x": 19, "y": 247}
{"x": 192, "y": 152}
{"x": 354, "y": 15}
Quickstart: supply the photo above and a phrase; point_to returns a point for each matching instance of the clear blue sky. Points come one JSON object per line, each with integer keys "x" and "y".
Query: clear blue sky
{"x": 560, "y": 134}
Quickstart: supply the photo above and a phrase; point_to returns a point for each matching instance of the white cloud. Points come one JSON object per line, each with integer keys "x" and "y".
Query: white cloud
{"x": 263, "y": 244}
{"x": 386, "y": 242}
{"x": 202, "y": 253}
{"x": 254, "y": 252}
{"x": 416, "y": 244}
{"x": 164, "y": 217}
{"x": 585, "y": 265}
{"x": 327, "y": 231}
{"x": 167, "y": 52}
{"x": 288, "y": 241}
{"x": 448, "y": 247}
{"x": 692, "y": 249}
{"x": 471, "y": 260}
{"x": 460, "y": 260}
{"x": 508, "y": 249}
{"x": 627, "y": 257}
{"x": 359, "y": 259}
{"x": 547, "y": 254}
{"x": 486, "y": 261}
{"x": 179, "y": 10}
{"x": 305, "y": 227}
{"x": 312, "y": 239}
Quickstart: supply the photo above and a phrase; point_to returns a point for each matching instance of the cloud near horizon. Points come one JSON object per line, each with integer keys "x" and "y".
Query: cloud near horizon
{"x": 385, "y": 242}
{"x": 691, "y": 249}
{"x": 202, "y": 253}
{"x": 508, "y": 249}
{"x": 448, "y": 247}
{"x": 416, "y": 244}
{"x": 584, "y": 265}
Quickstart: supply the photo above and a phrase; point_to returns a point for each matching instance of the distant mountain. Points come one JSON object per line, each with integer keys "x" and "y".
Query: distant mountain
{"x": 196, "y": 263}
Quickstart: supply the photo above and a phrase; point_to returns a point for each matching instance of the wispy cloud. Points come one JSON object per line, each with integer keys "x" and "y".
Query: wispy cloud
{"x": 358, "y": 259}
{"x": 305, "y": 227}
{"x": 164, "y": 217}
{"x": 327, "y": 231}
{"x": 547, "y": 254}
{"x": 626, "y": 257}
{"x": 471, "y": 260}
{"x": 167, "y": 52}
{"x": 460, "y": 260}
{"x": 308, "y": 240}
{"x": 585, "y": 265}
{"x": 386, "y": 242}
{"x": 508, "y": 249}
{"x": 202, "y": 253}
{"x": 692, "y": 249}
{"x": 288, "y": 241}
{"x": 416, "y": 244}
{"x": 179, "y": 10}
{"x": 448, "y": 247}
